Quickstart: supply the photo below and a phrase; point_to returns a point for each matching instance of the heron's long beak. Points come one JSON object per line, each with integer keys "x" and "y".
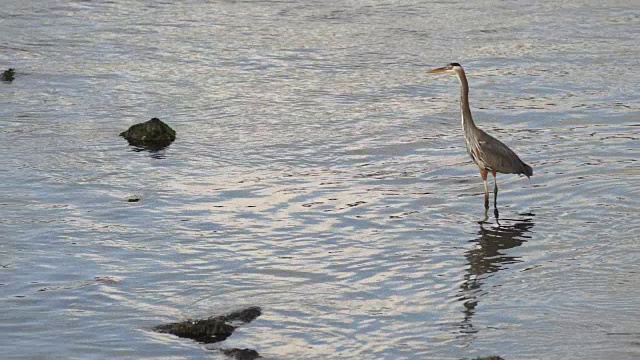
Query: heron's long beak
{"x": 438, "y": 70}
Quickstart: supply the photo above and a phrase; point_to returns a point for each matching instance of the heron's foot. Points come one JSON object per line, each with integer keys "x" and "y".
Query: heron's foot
{"x": 485, "y": 218}
{"x": 496, "y": 213}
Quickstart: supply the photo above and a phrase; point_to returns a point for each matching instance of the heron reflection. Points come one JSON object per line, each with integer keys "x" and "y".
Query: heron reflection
{"x": 488, "y": 255}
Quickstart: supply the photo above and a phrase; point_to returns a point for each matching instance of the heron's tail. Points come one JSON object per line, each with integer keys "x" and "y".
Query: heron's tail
{"x": 526, "y": 169}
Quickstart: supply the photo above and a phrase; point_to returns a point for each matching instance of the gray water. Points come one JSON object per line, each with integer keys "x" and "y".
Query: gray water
{"x": 319, "y": 173}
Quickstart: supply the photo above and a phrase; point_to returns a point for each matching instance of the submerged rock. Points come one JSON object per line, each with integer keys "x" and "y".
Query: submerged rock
{"x": 153, "y": 134}
{"x": 242, "y": 354}
{"x": 494, "y": 357}
{"x": 245, "y": 316}
{"x": 211, "y": 330}
{"x": 205, "y": 331}
{"x": 8, "y": 75}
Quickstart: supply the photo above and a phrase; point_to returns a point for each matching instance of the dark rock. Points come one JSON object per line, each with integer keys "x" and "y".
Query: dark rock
{"x": 206, "y": 331}
{"x": 246, "y": 315}
{"x": 133, "y": 199}
{"x": 8, "y": 75}
{"x": 494, "y": 357}
{"x": 211, "y": 330}
{"x": 153, "y": 134}
{"x": 241, "y": 354}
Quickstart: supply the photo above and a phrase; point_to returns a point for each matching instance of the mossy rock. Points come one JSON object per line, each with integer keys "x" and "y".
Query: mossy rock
{"x": 244, "y": 316}
{"x": 211, "y": 330}
{"x": 8, "y": 75}
{"x": 241, "y": 354}
{"x": 153, "y": 134}
{"x": 205, "y": 331}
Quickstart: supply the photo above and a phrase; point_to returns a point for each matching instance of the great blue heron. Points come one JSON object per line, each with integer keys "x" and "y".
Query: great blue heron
{"x": 490, "y": 154}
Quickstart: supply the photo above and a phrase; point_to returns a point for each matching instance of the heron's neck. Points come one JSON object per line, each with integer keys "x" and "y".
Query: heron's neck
{"x": 465, "y": 110}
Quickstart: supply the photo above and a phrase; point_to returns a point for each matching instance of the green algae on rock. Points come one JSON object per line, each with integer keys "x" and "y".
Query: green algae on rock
{"x": 153, "y": 134}
{"x": 241, "y": 354}
{"x": 8, "y": 75}
{"x": 211, "y": 330}
{"x": 206, "y": 331}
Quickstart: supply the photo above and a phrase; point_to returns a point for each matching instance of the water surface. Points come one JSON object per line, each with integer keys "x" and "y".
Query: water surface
{"x": 319, "y": 173}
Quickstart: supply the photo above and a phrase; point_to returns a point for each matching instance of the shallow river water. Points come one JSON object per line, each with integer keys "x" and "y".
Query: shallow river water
{"x": 319, "y": 173}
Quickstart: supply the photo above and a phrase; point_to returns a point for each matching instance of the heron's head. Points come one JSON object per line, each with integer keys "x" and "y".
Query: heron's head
{"x": 453, "y": 68}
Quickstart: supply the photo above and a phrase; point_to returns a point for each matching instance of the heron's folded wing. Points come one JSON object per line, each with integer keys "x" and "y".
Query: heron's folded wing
{"x": 498, "y": 156}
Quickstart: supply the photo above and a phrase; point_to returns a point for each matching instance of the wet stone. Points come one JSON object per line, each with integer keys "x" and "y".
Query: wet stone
{"x": 245, "y": 316}
{"x": 241, "y": 354}
{"x": 8, "y": 75}
{"x": 211, "y": 330}
{"x": 153, "y": 134}
{"x": 206, "y": 331}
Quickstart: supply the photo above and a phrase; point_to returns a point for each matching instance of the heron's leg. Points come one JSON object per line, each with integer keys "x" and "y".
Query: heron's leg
{"x": 485, "y": 218}
{"x": 495, "y": 193}
{"x": 495, "y": 189}
{"x": 483, "y": 173}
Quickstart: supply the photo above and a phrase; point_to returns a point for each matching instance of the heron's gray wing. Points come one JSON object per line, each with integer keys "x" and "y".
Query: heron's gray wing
{"x": 497, "y": 156}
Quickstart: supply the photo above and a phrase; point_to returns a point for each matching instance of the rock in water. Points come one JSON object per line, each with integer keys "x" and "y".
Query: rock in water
{"x": 205, "y": 331}
{"x": 8, "y": 75}
{"x": 213, "y": 329}
{"x": 153, "y": 134}
{"x": 244, "y": 316}
{"x": 241, "y": 354}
